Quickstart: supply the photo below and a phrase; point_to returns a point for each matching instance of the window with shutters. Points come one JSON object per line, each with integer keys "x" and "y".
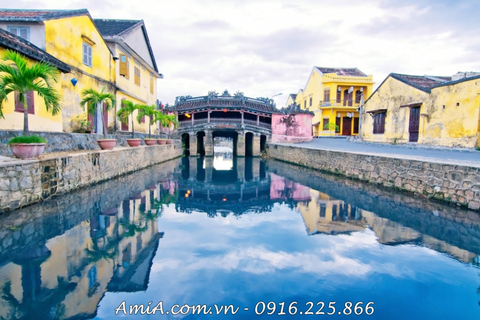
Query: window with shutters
{"x": 124, "y": 66}
{"x": 23, "y": 32}
{"x": 326, "y": 94}
{"x": 87, "y": 54}
{"x": 358, "y": 96}
{"x": 30, "y": 103}
{"x": 379, "y": 122}
{"x": 339, "y": 95}
{"x": 136, "y": 72}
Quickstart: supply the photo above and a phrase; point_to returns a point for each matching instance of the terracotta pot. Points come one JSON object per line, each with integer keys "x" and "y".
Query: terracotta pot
{"x": 106, "y": 144}
{"x": 169, "y": 141}
{"x": 134, "y": 142}
{"x": 150, "y": 142}
{"x": 162, "y": 141}
{"x": 27, "y": 150}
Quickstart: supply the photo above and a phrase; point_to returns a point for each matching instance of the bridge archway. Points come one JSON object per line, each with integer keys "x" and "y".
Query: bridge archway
{"x": 248, "y": 144}
{"x": 263, "y": 143}
{"x": 186, "y": 144}
{"x": 227, "y": 134}
{"x": 201, "y": 143}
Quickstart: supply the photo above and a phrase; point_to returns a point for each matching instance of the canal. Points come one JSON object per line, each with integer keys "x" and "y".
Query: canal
{"x": 238, "y": 238}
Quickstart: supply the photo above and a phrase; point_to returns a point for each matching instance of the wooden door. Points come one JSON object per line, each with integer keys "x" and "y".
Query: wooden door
{"x": 347, "y": 98}
{"x": 347, "y": 126}
{"x": 414, "y": 124}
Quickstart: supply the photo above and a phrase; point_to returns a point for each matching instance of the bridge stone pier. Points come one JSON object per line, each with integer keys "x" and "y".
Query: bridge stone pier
{"x": 247, "y": 121}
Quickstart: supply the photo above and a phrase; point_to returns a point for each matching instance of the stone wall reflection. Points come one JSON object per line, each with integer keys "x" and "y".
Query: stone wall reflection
{"x": 59, "y": 258}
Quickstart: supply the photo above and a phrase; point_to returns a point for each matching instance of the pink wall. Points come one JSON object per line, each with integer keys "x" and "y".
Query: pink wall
{"x": 281, "y": 188}
{"x": 292, "y": 128}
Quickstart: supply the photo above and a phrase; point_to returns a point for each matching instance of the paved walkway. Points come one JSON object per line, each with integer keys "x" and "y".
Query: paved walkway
{"x": 457, "y": 156}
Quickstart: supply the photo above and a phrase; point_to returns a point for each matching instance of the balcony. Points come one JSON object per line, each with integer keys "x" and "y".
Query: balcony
{"x": 340, "y": 103}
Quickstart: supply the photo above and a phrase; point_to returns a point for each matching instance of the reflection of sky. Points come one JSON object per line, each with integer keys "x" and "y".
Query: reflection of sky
{"x": 222, "y": 163}
{"x": 268, "y": 257}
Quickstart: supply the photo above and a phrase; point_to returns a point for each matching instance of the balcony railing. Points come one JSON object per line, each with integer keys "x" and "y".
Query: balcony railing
{"x": 196, "y": 122}
{"x": 339, "y": 103}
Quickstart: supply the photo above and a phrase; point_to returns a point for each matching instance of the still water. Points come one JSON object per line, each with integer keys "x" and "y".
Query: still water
{"x": 228, "y": 238}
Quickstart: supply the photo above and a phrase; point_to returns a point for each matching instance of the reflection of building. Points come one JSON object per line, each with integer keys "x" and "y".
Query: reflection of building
{"x": 393, "y": 233}
{"x": 324, "y": 214}
{"x": 216, "y": 189}
{"x": 66, "y": 275}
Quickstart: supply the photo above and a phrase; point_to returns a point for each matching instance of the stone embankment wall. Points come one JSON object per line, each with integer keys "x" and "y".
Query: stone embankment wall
{"x": 62, "y": 141}
{"x": 447, "y": 182}
{"x": 25, "y": 182}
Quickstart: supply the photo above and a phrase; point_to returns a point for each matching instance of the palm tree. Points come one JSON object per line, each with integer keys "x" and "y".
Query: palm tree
{"x": 17, "y": 75}
{"x": 151, "y": 112}
{"x": 94, "y": 101}
{"x": 167, "y": 121}
{"x": 128, "y": 107}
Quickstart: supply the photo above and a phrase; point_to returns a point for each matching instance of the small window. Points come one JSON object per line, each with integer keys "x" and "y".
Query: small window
{"x": 124, "y": 66}
{"x": 339, "y": 96}
{"x": 30, "y": 103}
{"x": 136, "y": 72}
{"x": 310, "y": 104}
{"x": 358, "y": 96}
{"x": 326, "y": 94}
{"x": 305, "y": 104}
{"x": 379, "y": 122}
{"x": 87, "y": 54}
{"x": 23, "y": 32}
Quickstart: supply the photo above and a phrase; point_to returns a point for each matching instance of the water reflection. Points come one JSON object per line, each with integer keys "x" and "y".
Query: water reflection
{"x": 60, "y": 259}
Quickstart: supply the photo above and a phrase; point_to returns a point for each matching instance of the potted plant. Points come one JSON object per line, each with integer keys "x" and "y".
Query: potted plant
{"x": 20, "y": 77}
{"x": 167, "y": 121}
{"x": 152, "y": 114}
{"x": 127, "y": 109}
{"x": 332, "y": 128}
{"x": 97, "y": 103}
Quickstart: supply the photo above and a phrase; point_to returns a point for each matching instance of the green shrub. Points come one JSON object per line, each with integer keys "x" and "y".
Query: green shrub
{"x": 27, "y": 139}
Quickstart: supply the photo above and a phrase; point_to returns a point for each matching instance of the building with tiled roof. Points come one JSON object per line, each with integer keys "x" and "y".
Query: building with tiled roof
{"x": 114, "y": 55}
{"x": 72, "y": 38}
{"x": 432, "y": 110}
{"x": 350, "y": 72}
{"x": 136, "y": 70}
{"x": 12, "y": 42}
{"x": 424, "y": 83}
{"x": 334, "y": 95}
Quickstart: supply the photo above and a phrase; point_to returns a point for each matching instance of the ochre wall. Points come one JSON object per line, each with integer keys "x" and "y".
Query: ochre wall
{"x": 452, "y": 126}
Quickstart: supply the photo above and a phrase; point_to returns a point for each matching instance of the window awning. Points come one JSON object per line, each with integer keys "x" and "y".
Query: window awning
{"x": 376, "y": 111}
{"x": 315, "y": 123}
{"x": 413, "y": 104}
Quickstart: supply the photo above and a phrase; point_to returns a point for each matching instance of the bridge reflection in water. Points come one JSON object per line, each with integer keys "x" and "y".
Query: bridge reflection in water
{"x": 59, "y": 259}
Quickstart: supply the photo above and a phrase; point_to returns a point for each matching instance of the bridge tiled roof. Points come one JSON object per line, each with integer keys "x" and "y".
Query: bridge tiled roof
{"x": 263, "y": 105}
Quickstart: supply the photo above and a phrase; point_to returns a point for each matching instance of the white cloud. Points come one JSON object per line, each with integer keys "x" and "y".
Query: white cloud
{"x": 266, "y": 47}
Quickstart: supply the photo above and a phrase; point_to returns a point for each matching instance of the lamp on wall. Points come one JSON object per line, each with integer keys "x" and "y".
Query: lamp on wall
{"x": 74, "y": 81}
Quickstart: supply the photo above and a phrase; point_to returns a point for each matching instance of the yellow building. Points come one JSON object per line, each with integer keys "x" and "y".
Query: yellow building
{"x": 291, "y": 99}
{"x": 39, "y": 118}
{"x": 114, "y": 55}
{"x": 441, "y": 111}
{"x": 334, "y": 95}
{"x": 136, "y": 70}
{"x": 71, "y": 37}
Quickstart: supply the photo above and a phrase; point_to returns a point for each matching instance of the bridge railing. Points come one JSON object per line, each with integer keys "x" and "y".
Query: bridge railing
{"x": 188, "y": 123}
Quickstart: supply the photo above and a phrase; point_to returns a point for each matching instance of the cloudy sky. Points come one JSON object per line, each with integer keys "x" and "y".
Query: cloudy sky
{"x": 266, "y": 47}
